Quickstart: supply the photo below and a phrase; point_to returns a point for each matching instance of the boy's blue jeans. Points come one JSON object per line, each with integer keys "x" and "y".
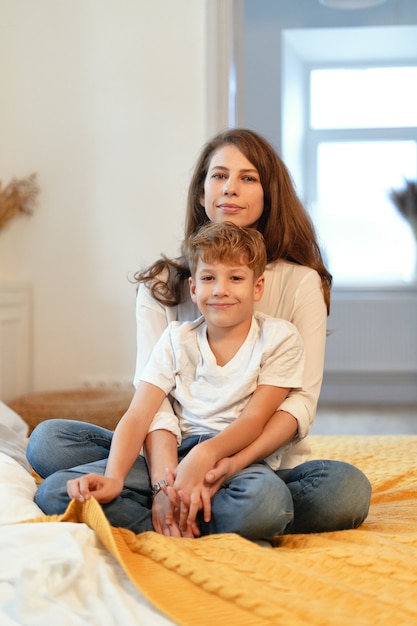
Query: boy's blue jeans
{"x": 256, "y": 503}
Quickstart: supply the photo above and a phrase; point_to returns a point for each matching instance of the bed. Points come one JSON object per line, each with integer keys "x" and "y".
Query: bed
{"x": 76, "y": 569}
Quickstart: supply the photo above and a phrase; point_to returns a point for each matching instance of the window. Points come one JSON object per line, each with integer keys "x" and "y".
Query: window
{"x": 362, "y": 141}
{"x": 372, "y": 97}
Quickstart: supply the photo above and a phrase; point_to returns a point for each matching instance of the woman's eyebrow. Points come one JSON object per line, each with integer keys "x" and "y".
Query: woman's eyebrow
{"x": 245, "y": 170}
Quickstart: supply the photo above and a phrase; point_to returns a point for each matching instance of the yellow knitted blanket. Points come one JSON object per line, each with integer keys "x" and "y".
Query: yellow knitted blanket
{"x": 358, "y": 577}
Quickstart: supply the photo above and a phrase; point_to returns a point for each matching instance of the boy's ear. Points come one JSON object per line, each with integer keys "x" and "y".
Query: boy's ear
{"x": 258, "y": 288}
{"x": 192, "y": 289}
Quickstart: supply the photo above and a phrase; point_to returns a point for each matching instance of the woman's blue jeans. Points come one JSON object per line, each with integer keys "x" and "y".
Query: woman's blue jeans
{"x": 256, "y": 503}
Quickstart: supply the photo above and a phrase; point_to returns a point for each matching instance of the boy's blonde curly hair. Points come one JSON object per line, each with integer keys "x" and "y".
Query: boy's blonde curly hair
{"x": 226, "y": 243}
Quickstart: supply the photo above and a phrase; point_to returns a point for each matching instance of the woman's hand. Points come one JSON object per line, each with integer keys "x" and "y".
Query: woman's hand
{"x": 103, "y": 488}
{"x": 165, "y": 511}
{"x": 192, "y": 494}
{"x": 163, "y": 516}
{"x": 173, "y": 516}
{"x": 180, "y": 497}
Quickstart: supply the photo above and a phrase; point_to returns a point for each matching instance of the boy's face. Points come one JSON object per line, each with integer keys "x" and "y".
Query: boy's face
{"x": 225, "y": 293}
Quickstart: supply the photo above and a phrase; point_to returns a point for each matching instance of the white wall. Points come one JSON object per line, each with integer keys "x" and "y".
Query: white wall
{"x": 105, "y": 100}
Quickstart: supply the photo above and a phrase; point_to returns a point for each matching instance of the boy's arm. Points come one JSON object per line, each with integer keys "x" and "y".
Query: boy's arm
{"x": 132, "y": 429}
{"x": 250, "y": 424}
{"x": 126, "y": 444}
{"x": 191, "y": 472}
{"x": 279, "y": 430}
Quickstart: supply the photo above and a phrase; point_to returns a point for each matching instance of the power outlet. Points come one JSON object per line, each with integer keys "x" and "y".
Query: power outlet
{"x": 109, "y": 383}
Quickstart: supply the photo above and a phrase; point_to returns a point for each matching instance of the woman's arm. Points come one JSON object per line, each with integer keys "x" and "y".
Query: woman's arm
{"x": 161, "y": 447}
{"x": 152, "y": 319}
{"x": 309, "y": 315}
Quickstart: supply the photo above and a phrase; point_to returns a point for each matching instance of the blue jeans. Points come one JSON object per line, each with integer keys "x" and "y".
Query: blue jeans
{"x": 256, "y": 503}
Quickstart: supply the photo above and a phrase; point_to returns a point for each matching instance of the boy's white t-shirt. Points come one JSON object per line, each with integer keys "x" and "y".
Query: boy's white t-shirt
{"x": 207, "y": 397}
{"x": 292, "y": 292}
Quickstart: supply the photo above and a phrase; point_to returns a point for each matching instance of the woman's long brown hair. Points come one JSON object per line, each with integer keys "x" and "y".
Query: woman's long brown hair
{"x": 285, "y": 224}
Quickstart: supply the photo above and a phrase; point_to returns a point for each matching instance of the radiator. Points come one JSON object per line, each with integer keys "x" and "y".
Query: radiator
{"x": 371, "y": 352}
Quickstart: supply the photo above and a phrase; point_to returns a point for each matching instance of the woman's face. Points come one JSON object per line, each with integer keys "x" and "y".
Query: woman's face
{"x": 232, "y": 189}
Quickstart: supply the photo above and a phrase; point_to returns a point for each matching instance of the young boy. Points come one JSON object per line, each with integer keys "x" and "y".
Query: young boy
{"x": 227, "y": 372}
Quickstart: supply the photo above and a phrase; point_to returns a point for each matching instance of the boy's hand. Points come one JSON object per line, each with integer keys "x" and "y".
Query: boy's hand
{"x": 103, "y": 488}
{"x": 216, "y": 476}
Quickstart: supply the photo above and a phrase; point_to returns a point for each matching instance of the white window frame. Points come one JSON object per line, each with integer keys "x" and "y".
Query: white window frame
{"x": 313, "y": 138}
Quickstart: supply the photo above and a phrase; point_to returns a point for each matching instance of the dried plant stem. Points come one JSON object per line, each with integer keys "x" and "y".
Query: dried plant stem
{"x": 18, "y": 197}
{"x": 405, "y": 201}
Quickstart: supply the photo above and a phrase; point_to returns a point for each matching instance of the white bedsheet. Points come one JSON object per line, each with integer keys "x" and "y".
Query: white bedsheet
{"x": 57, "y": 573}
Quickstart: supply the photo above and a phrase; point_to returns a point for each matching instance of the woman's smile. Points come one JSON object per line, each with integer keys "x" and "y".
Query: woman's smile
{"x": 230, "y": 208}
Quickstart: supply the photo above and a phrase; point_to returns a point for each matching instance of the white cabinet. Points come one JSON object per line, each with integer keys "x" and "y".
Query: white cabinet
{"x": 15, "y": 341}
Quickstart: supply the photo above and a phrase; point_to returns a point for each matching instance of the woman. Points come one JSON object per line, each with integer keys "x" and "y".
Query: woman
{"x": 238, "y": 178}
